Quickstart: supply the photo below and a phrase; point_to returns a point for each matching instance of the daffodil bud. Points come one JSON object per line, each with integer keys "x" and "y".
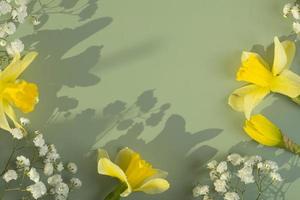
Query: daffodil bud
{"x": 263, "y": 131}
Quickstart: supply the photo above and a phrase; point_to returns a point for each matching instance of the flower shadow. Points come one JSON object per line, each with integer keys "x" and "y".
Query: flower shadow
{"x": 169, "y": 150}
{"x": 52, "y": 71}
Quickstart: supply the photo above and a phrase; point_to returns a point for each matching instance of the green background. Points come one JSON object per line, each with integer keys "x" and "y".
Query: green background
{"x": 174, "y": 60}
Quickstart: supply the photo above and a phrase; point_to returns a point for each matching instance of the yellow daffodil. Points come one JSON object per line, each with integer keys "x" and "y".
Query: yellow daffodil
{"x": 16, "y": 93}
{"x": 260, "y": 129}
{"x": 264, "y": 79}
{"x": 133, "y": 172}
{"x": 263, "y": 131}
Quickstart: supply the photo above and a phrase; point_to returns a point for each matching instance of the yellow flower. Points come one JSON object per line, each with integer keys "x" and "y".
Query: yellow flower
{"x": 263, "y": 131}
{"x": 133, "y": 171}
{"x": 264, "y": 79}
{"x": 15, "y": 92}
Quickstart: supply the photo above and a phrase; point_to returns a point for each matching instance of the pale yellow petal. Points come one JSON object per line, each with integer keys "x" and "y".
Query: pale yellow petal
{"x": 124, "y": 157}
{"x": 280, "y": 57}
{"x": 102, "y": 154}
{"x": 246, "y": 98}
{"x": 283, "y": 55}
{"x": 290, "y": 50}
{"x": 11, "y": 114}
{"x": 17, "y": 66}
{"x": 108, "y": 168}
{"x": 154, "y": 186}
{"x": 287, "y": 83}
{"x": 3, "y": 121}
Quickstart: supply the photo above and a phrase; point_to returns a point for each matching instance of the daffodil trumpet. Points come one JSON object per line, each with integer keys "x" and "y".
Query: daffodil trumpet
{"x": 134, "y": 174}
{"x": 263, "y": 131}
{"x": 264, "y": 79}
{"x": 15, "y": 92}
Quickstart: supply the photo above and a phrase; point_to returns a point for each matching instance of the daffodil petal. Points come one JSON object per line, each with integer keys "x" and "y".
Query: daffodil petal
{"x": 283, "y": 55}
{"x": 3, "y": 121}
{"x": 280, "y": 57}
{"x": 17, "y": 66}
{"x": 12, "y": 116}
{"x": 102, "y": 154}
{"x": 287, "y": 83}
{"x": 124, "y": 157}
{"x": 246, "y": 98}
{"x": 290, "y": 50}
{"x": 154, "y": 186}
{"x": 108, "y": 168}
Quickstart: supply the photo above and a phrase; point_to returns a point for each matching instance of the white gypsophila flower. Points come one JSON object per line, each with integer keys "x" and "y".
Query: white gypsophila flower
{"x": 200, "y": 190}
{"x": 235, "y": 159}
{"x": 52, "y": 156}
{"x": 60, "y": 167}
{"x": 275, "y": 177}
{"x": 37, "y": 190}
{"x": 231, "y": 196}
{"x": 35, "y": 21}
{"x": 213, "y": 175}
{"x": 225, "y": 176}
{"x": 10, "y": 28}
{"x": 3, "y": 42}
{"x": 60, "y": 197}
{"x": 72, "y": 167}
{"x": 34, "y": 175}
{"x": 206, "y": 197}
{"x": 296, "y": 27}
{"x": 54, "y": 180}
{"x": 10, "y": 175}
{"x": 252, "y": 160}
{"x": 48, "y": 169}
{"x": 17, "y": 133}
{"x": 19, "y": 14}
{"x": 212, "y": 164}
{"x": 22, "y": 2}
{"x": 222, "y": 167}
{"x": 245, "y": 174}
{"x": 76, "y": 183}
{"x": 24, "y": 121}
{"x": 62, "y": 189}
{"x": 295, "y": 12}
{"x": 287, "y": 9}
{"x": 15, "y": 47}
{"x": 5, "y": 7}
{"x": 271, "y": 165}
{"x": 39, "y": 141}
{"x": 43, "y": 150}
{"x": 2, "y": 31}
{"x": 220, "y": 186}
{"x": 22, "y": 162}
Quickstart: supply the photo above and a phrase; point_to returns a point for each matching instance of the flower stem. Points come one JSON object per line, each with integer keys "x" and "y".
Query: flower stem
{"x": 290, "y": 145}
{"x": 115, "y": 194}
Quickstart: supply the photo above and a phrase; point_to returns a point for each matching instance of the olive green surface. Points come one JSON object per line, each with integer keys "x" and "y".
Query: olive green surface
{"x": 174, "y": 60}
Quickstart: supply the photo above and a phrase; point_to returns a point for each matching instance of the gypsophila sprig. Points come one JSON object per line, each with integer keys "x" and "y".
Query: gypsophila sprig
{"x": 230, "y": 178}
{"x": 37, "y": 168}
{"x": 292, "y": 10}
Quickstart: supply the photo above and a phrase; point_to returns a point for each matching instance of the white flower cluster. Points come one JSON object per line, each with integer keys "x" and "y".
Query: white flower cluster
{"x": 237, "y": 169}
{"x": 48, "y": 180}
{"x": 293, "y": 10}
{"x": 14, "y": 12}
